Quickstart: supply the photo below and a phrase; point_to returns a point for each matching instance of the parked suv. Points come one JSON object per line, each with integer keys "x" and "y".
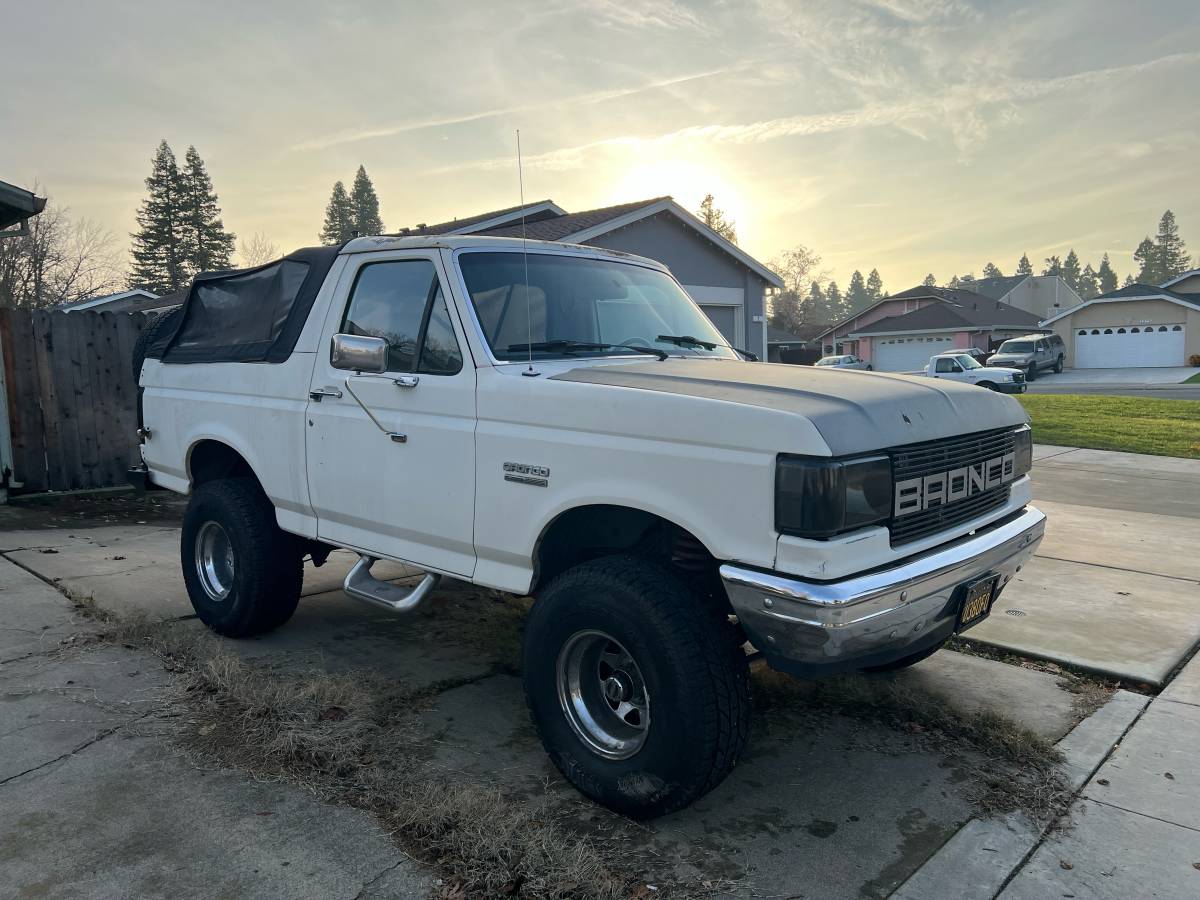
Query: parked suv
{"x": 1031, "y": 354}
{"x": 565, "y": 422}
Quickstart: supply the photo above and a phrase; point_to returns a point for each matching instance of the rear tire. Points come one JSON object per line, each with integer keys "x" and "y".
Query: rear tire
{"x": 1058, "y": 366}
{"x": 243, "y": 572}
{"x": 638, "y": 689}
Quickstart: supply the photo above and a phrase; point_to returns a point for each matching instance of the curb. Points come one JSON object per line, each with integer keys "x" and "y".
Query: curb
{"x": 977, "y": 862}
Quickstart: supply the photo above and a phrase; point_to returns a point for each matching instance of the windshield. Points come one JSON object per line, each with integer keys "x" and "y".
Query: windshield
{"x": 578, "y": 306}
{"x": 968, "y": 362}
{"x": 828, "y": 361}
{"x": 1016, "y": 347}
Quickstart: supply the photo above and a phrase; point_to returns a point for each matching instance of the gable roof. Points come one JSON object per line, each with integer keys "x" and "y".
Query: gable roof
{"x": 1181, "y": 277}
{"x": 997, "y": 287}
{"x": 1134, "y": 292}
{"x": 546, "y": 221}
{"x": 982, "y": 312}
{"x": 136, "y": 294}
{"x": 779, "y": 336}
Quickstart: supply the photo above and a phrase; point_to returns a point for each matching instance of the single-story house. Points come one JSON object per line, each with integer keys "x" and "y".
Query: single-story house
{"x": 784, "y": 347}
{"x": 131, "y": 301}
{"x": 729, "y": 284}
{"x": 899, "y": 333}
{"x": 1042, "y": 295}
{"x": 1138, "y": 326}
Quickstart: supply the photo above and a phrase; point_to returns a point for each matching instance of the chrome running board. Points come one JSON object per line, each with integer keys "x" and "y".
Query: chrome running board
{"x": 362, "y": 585}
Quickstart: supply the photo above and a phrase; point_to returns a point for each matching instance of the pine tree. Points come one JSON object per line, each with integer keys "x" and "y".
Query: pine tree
{"x": 365, "y": 205}
{"x": 991, "y": 270}
{"x": 716, "y": 219}
{"x": 1054, "y": 266}
{"x": 929, "y": 281}
{"x": 1172, "y": 255}
{"x": 875, "y": 285}
{"x": 1088, "y": 284}
{"x": 1024, "y": 267}
{"x": 1106, "y": 277}
{"x": 1146, "y": 256}
{"x": 206, "y": 244}
{"x": 835, "y": 303}
{"x": 1128, "y": 281}
{"x": 158, "y": 245}
{"x": 339, "y": 217}
{"x": 857, "y": 298}
{"x": 817, "y": 305}
{"x": 1070, "y": 270}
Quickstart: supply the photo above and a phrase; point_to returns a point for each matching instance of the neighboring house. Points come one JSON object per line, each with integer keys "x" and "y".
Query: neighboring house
{"x": 1042, "y": 295}
{"x": 728, "y": 283}
{"x": 899, "y": 333}
{"x": 17, "y": 206}
{"x": 1138, "y": 326}
{"x": 118, "y": 302}
{"x": 785, "y": 347}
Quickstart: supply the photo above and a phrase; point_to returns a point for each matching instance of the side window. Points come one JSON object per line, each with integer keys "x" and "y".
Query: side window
{"x": 944, "y": 365}
{"x": 392, "y": 300}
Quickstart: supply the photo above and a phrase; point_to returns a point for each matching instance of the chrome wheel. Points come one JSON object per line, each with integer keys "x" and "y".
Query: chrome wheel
{"x": 214, "y": 561}
{"x": 603, "y": 694}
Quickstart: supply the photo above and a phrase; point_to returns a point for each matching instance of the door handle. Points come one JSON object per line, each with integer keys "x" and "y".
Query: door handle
{"x": 325, "y": 392}
{"x": 406, "y": 381}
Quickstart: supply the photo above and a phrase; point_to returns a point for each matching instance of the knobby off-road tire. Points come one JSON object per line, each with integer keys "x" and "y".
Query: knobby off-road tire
{"x": 683, "y": 654}
{"x": 243, "y": 573}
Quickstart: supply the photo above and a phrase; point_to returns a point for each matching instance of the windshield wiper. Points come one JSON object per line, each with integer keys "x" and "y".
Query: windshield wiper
{"x": 569, "y": 347}
{"x": 686, "y": 340}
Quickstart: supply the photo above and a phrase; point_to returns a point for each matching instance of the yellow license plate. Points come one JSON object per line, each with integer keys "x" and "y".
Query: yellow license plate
{"x": 977, "y": 601}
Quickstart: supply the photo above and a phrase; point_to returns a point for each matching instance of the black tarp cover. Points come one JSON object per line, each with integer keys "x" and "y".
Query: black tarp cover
{"x": 247, "y": 315}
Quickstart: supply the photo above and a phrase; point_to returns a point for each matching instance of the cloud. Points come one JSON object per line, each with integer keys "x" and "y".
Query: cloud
{"x": 588, "y": 99}
{"x": 959, "y": 111}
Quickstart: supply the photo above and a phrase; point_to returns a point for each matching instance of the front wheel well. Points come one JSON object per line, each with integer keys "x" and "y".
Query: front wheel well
{"x": 590, "y": 532}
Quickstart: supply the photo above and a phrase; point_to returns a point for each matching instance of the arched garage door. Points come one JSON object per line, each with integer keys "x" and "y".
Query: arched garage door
{"x": 909, "y": 353}
{"x": 1129, "y": 346}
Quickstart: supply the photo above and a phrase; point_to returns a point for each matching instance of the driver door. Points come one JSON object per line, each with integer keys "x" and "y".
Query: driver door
{"x": 391, "y": 457}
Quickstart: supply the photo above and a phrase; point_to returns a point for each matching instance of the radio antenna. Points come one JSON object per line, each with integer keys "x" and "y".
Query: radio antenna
{"x": 525, "y": 258}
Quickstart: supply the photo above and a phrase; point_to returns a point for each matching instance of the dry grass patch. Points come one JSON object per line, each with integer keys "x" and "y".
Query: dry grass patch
{"x": 355, "y": 740}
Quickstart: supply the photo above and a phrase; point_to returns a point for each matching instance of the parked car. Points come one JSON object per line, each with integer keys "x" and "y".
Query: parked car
{"x": 962, "y": 366}
{"x": 843, "y": 362}
{"x": 565, "y": 422}
{"x": 1031, "y": 354}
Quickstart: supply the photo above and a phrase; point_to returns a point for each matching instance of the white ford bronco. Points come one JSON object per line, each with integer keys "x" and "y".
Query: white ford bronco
{"x": 564, "y": 422}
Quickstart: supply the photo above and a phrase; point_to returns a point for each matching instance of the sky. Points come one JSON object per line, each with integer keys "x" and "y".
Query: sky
{"x": 912, "y": 136}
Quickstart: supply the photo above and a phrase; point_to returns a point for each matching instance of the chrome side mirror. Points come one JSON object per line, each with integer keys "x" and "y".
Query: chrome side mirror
{"x": 358, "y": 353}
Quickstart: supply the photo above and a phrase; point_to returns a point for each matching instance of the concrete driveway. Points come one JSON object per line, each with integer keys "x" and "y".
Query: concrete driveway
{"x": 825, "y": 803}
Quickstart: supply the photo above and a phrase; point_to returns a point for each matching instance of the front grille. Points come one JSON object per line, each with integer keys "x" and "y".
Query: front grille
{"x": 933, "y": 457}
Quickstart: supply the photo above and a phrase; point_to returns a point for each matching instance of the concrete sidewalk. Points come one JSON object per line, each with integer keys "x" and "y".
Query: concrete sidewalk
{"x": 1136, "y": 825}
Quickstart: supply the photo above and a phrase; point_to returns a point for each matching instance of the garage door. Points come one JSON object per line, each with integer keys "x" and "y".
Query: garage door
{"x": 1129, "y": 346}
{"x": 907, "y": 354}
{"x": 725, "y": 318}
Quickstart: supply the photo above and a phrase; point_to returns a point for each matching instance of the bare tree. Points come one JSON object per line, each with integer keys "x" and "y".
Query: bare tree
{"x": 798, "y": 304}
{"x": 258, "y": 250}
{"x": 57, "y": 262}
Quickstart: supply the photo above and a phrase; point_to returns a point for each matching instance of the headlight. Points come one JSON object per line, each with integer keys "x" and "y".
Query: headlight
{"x": 818, "y": 498}
{"x": 1023, "y": 451}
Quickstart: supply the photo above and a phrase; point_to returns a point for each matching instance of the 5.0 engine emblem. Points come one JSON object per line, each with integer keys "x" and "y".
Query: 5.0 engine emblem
{"x": 538, "y": 476}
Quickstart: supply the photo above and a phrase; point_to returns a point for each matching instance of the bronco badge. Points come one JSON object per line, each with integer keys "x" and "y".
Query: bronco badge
{"x": 538, "y": 476}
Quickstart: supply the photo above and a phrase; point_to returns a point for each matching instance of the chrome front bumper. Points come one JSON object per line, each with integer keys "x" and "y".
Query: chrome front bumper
{"x": 815, "y": 628}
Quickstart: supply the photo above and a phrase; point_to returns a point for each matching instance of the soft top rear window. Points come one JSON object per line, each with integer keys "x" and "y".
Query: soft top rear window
{"x": 247, "y": 315}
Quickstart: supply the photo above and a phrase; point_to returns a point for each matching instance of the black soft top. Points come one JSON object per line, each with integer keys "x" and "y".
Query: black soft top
{"x": 247, "y": 315}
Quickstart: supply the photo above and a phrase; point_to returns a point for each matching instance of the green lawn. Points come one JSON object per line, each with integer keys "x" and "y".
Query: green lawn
{"x": 1160, "y": 427}
{"x": 1195, "y": 379}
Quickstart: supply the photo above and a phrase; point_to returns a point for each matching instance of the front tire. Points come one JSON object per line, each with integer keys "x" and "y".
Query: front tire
{"x": 1032, "y": 373}
{"x": 1058, "y": 366}
{"x": 638, "y": 689}
{"x": 243, "y": 572}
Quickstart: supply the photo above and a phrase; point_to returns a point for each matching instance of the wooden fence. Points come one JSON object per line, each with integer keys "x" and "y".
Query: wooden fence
{"x": 72, "y": 400}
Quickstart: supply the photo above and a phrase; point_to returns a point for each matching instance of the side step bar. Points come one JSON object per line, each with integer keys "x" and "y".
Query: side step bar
{"x": 362, "y": 585}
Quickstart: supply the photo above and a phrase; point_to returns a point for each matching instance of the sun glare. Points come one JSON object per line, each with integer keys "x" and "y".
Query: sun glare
{"x": 684, "y": 180}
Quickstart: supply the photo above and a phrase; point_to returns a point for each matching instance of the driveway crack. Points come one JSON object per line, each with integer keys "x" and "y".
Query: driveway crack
{"x": 367, "y": 886}
{"x": 107, "y": 732}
